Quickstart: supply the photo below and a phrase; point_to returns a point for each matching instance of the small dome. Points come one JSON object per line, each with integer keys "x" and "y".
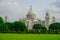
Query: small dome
{"x": 54, "y": 17}
{"x": 47, "y": 14}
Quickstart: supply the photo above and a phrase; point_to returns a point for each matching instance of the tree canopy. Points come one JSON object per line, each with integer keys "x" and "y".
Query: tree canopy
{"x": 39, "y": 27}
{"x": 1, "y": 20}
{"x": 18, "y": 25}
{"x": 55, "y": 27}
{"x": 3, "y": 27}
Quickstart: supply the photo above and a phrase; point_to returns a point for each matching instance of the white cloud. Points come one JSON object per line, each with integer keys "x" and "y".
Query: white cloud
{"x": 12, "y": 7}
{"x": 57, "y": 0}
{"x": 54, "y": 9}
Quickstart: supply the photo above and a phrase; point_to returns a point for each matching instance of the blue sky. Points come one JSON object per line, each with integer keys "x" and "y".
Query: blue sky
{"x": 16, "y": 9}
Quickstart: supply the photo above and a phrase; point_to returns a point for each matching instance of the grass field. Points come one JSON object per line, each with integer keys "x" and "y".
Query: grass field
{"x": 29, "y": 36}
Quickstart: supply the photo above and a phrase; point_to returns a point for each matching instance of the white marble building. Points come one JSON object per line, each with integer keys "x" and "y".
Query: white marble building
{"x": 31, "y": 19}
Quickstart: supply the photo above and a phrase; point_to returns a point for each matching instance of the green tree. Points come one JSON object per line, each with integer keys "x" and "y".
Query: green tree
{"x": 20, "y": 26}
{"x": 39, "y": 28}
{"x": 1, "y": 20}
{"x": 44, "y": 29}
{"x": 3, "y": 27}
{"x": 55, "y": 28}
{"x": 10, "y": 26}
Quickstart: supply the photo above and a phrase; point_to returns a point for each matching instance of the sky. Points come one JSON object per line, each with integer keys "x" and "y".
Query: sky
{"x": 16, "y": 9}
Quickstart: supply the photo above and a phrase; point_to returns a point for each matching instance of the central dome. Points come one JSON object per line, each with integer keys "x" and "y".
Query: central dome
{"x": 31, "y": 13}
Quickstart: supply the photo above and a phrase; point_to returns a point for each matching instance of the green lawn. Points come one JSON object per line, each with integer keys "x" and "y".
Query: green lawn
{"x": 29, "y": 36}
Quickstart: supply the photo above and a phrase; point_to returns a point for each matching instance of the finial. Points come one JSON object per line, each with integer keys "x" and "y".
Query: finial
{"x": 30, "y": 7}
{"x": 47, "y": 11}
